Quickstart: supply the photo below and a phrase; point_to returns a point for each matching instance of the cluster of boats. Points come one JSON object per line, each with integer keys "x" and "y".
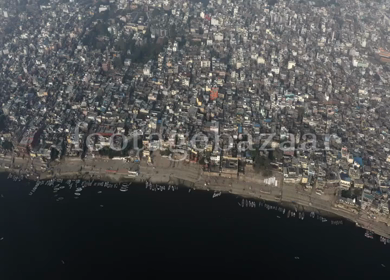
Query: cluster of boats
{"x": 15, "y": 177}
{"x": 156, "y": 187}
{"x": 247, "y": 203}
{"x": 384, "y": 240}
{"x": 290, "y": 213}
{"x": 49, "y": 183}
{"x": 77, "y": 184}
{"x": 301, "y": 215}
{"x": 57, "y": 186}
{"x": 322, "y": 219}
{"x": 34, "y": 189}
{"x": 369, "y": 234}
{"x": 80, "y": 185}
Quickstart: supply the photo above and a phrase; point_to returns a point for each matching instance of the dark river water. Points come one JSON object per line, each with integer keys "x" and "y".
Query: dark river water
{"x": 109, "y": 234}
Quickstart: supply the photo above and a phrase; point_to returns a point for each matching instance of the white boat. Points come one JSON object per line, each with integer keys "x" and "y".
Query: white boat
{"x": 216, "y": 194}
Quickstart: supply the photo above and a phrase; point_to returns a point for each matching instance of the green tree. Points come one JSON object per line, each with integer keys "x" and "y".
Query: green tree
{"x": 172, "y": 33}
{"x": 7, "y": 145}
{"x": 278, "y": 154}
{"x": 121, "y": 46}
{"x": 262, "y": 164}
{"x": 166, "y": 152}
{"x": 118, "y": 62}
{"x": 54, "y": 154}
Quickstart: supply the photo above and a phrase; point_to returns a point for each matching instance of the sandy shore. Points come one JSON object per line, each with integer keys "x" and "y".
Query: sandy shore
{"x": 164, "y": 171}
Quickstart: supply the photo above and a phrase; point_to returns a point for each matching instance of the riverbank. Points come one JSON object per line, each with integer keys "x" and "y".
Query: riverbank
{"x": 56, "y": 232}
{"x": 189, "y": 175}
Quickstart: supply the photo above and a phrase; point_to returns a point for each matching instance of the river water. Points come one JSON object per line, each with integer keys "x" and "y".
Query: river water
{"x": 109, "y": 234}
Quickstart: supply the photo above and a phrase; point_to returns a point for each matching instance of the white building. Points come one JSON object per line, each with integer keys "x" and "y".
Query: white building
{"x": 260, "y": 60}
{"x": 218, "y": 36}
{"x": 103, "y": 8}
{"x": 291, "y": 64}
{"x": 215, "y": 22}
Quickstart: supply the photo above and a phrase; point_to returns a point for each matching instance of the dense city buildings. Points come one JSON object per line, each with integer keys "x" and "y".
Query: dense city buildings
{"x": 305, "y": 84}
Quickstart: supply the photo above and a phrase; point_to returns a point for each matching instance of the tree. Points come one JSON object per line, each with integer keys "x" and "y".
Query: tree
{"x": 101, "y": 29}
{"x": 166, "y": 152}
{"x": 156, "y": 12}
{"x": 118, "y": 62}
{"x": 172, "y": 33}
{"x": 7, "y": 145}
{"x": 54, "y": 154}
{"x": 121, "y": 46}
{"x": 278, "y": 154}
{"x": 301, "y": 112}
{"x": 262, "y": 164}
{"x": 3, "y": 122}
{"x": 346, "y": 193}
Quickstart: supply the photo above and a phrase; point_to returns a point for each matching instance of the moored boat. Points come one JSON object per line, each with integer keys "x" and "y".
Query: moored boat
{"x": 369, "y": 234}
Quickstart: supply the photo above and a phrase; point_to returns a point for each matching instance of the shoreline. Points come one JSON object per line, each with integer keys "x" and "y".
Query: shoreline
{"x": 191, "y": 176}
{"x": 288, "y": 205}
